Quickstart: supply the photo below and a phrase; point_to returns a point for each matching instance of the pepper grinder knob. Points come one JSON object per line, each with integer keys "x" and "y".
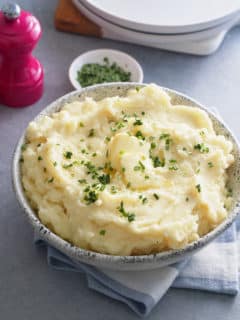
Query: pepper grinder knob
{"x": 11, "y": 10}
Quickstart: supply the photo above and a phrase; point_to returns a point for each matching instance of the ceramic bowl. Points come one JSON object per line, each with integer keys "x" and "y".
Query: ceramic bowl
{"x": 125, "y": 61}
{"x": 142, "y": 262}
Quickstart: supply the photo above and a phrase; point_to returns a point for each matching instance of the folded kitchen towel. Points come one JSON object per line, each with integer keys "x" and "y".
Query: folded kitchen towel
{"x": 214, "y": 268}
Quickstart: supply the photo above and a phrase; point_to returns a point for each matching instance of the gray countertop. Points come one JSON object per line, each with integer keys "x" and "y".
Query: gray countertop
{"x": 28, "y": 288}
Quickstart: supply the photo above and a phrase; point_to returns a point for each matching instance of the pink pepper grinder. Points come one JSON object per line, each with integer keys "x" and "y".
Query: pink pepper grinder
{"x": 21, "y": 74}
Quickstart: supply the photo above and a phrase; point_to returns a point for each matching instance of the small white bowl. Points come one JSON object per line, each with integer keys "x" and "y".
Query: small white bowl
{"x": 122, "y": 59}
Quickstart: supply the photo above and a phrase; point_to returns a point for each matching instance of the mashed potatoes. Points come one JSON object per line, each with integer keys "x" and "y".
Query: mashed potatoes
{"x": 127, "y": 175}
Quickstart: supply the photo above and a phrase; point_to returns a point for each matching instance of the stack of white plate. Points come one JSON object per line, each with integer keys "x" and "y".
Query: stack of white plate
{"x": 191, "y": 26}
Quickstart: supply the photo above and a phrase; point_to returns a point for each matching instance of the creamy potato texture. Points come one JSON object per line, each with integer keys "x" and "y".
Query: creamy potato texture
{"x": 127, "y": 175}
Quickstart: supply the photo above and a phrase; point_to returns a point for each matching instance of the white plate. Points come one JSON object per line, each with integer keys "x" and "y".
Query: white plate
{"x": 122, "y": 59}
{"x": 161, "y": 16}
{"x": 202, "y": 43}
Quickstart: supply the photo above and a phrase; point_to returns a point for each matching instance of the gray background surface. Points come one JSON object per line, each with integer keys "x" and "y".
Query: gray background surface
{"x": 28, "y": 288}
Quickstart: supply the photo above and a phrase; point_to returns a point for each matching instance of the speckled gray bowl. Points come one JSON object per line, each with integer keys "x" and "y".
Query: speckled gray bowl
{"x": 126, "y": 262}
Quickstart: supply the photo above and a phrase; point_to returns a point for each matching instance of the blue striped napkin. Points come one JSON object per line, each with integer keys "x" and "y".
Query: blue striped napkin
{"x": 142, "y": 290}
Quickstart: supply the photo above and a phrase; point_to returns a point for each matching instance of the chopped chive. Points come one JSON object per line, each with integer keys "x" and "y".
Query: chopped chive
{"x": 39, "y": 158}
{"x": 91, "y": 133}
{"x": 153, "y": 145}
{"x": 93, "y": 73}
{"x": 82, "y": 181}
{"x": 68, "y": 154}
{"x": 201, "y": 147}
{"x": 24, "y": 147}
{"x": 138, "y": 122}
{"x": 51, "y": 180}
{"x": 102, "y": 232}
{"x": 167, "y": 143}
{"x": 198, "y": 187}
{"x": 66, "y": 166}
{"x": 136, "y": 168}
{"x": 128, "y": 215}
{"x": 139, "y": 167}
{"x": 173, "y": 168}
{"x": 156, "y": 196}
{"x": 164, "y": 136}
{"x": 91, "y": 196}
{"x": 157, "y": 162}
{"x": 104, "y": 179}
{"x": 210, "y": 164}
{"x": 139, "y": 135}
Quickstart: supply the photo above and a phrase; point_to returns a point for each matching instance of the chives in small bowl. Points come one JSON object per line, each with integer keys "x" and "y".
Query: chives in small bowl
{"x": 104, "y": 65}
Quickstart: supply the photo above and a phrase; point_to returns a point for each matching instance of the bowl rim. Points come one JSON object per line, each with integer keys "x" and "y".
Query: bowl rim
{"x": 127, "y": 57}
{"x": 88, "y": 256}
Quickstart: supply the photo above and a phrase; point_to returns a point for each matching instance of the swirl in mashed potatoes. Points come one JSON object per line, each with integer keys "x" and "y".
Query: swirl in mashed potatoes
{"x": 127, "y": 175}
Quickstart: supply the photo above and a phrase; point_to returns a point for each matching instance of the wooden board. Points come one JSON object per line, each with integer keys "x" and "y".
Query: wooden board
{"x": 70, "y": 19}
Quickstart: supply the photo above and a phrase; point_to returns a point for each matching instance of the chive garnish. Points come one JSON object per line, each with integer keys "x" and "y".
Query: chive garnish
{"x": 68, "y": 154}
{"x": 102, "y": 232}
{"x": 125, "y": 214}
{"x": 93, "y": 73}
{"x": 144, "y": 200}
{"x": 198, "y": 187}
{"x": 157, "y": 162}
{"x": 201, "y": 147}
{"x": 82, "y": 181}
{"x": 91, "y": 133}
{"x": 66, "y": 166}
{"x": 139, "y": 135}
{"x": 104, "y": 179}
{"x": 153, "y": 145}
{"x": 210, "y": 164}
{"x": 24, "y": 147}
{"x": 156, "y": 196}
{"x": 138, "y": 122}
